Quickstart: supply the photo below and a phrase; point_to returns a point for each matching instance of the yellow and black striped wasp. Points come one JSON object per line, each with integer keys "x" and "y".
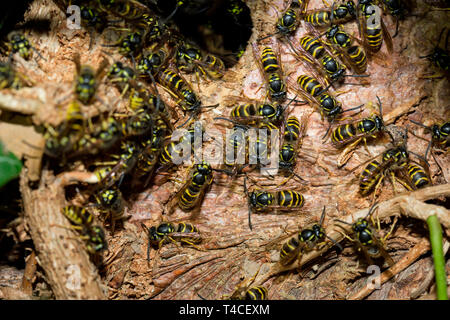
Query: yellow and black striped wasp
{"x": 179, "y": 88}
{"x": 321, "y": 60}
{"x": 318, "y": 95}
{"x": 101, "y": 138}
{"x": 191, "y": 59}
{"x": 371, "y": 27}
{"x": 440, "y": 56}
{"x": 349, "y": 135}
{"x": 111, "y": 204}
{"x": 289, "y": 21}
{"x": 342, "y": 13}
{"x": 191, "y": 194}
{"x": 121, "y": 164}
{"x": 152, "y": 147}
{"x": 440, "y": 135}
{"x": 294, "y": 132}
{"x": 367, "y": 240}
{"x": 272, "y": 200}
{"x": 121, "y": 76}
{"x": 397, "y": 9}
{"x": 306, "y": 240}
{"x": 352, "y": 54}
{"x": 11, "y": 78}
{"x": 18, "y": 43}
{"x": 168, "y": 232}
{"x": 254, "y": 113}
{"x": 269, "y": 63}
{"x": 396, "y": 163}
{"x": 87, "y": 80}
{"x": 82, "y": 220}
{"x": 151, "y": 62}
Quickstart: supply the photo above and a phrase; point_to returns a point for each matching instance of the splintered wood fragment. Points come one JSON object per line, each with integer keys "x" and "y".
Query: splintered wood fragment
{"x": 29, "y": 273}
{"x": 60, "y": 252}
{"x": 413, "y": 254}
{"x": 17, "y": 103}
{"x": 385, "y": 209}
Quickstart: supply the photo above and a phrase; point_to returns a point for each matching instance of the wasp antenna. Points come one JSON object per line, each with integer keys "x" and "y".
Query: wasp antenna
{"x": 419, "y": 124}
{"x": 372, "y": 209}
{"x": 268, "y": 36}
{"x": 341, "y": 221}
{"x": 337, "y": 244}
{"x": 357, "y": 75}
{"x": 322, "y": 217}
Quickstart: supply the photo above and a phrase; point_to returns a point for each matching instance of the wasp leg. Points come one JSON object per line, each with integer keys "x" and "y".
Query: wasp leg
{"x": 376, "y": 188}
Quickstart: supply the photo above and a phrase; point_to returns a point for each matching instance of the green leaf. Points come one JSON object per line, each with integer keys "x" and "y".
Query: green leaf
{"x": 10, "y": 166}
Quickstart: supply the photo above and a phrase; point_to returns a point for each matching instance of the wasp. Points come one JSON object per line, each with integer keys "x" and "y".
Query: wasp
{"x": 192, "y": 193}
{"x": 289, "y": 21}
{"x": 440, "y": 135}
{"x": 121, "y": 76}
{"x": 190, "y": 58}
{"x": 271, "y": 69}
{"x": 393, "y": 160}
{"x": 253, "y": 112}
{"x": 321, "y": 59}
{"x": 122, "y": 164}
{"x": 82, "y": 220}
{"x": 440, "y": 57}
{"x": 18, "y": 43}
{"x": 292, "y": 140}
{"x": 166, "y": 232}
{"x": 181, "y": 90}
{"x": 152, "y": 62}
{"x": 367, "y": 240}
{"x": 307, "y": 240}
{"x": 344, "y": 12}
{"x": 251, "y": 293}
{"x": 103, "y": 138}
{"x": 397, "y": 9}
{"x": 150, "y": 155}
{"x": 10, "y": 78}
{"x": 371, "y": 27}
{"x": 87, "y": 80}
{"x": 129, "y": 44}
{"x": 175, "y": 152}
{"x": 111, "y": 204}
{"x": 312, "y": 90}
{"x": 276, "y": 199}
{"x": 60, "y": 141}
{"x": 352, "y": 54}
{"x": 351, "y": 134}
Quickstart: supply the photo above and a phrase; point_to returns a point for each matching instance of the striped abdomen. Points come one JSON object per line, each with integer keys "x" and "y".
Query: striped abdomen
{"x": 256, "y": 293}
{"x": 269, "y": 60}
{"x": 289, "y": 198}
{"x": 171, "y": 80}
{"x": 343, "y": 133}
{"x": 374, "y": 35}
{"x": 358, "y": 59}
{"x": 313, "y": 46}
{"x": 289, "y": 251}
{"x": 292, "y": 129}
{"x": 309, "y": 84}
{"x": 243, "y": 110}
{"x": 319, "y": 18}
{"x": 369, "y": 177}
{"x": 418, "y": 176}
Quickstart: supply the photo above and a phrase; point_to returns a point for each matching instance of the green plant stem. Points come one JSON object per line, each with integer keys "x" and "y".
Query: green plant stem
{"x": 438, "y": 257}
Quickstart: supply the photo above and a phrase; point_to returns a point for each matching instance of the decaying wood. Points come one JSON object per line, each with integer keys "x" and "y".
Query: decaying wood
{"x": 385, "y": 209}
{"x": 20, "y": 104}
{"x": 413, "y": 254}
{"x": 66, "y": 263}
